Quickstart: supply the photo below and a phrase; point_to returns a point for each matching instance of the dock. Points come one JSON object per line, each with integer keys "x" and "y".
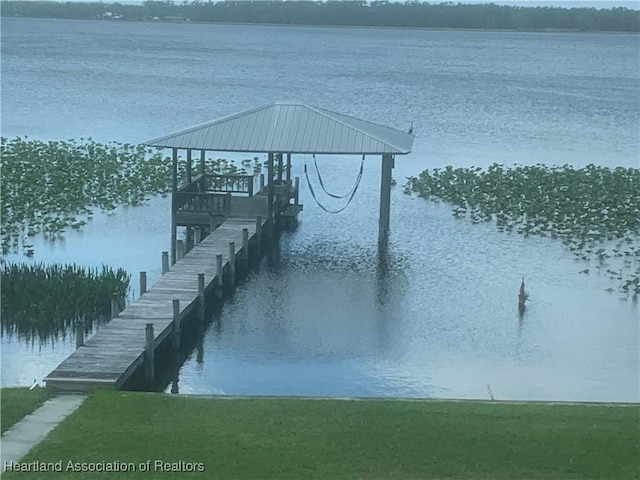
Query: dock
{"x": 223, "y": 217}
{"x": 117, "y": 350}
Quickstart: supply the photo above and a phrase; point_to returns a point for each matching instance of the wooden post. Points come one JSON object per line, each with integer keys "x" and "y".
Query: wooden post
{"x": 245, "y": 248}
{"x": 201, "y": 299}
{"x": 522, "y": 297}
{"x": 174, "y": 191}
{"x": 189, "y": 162}
{"x": 149, "y": 353}
{"x": 288, "y": 175}
{"x": 115, "y": 308}
{"x": 180, "y": 249}
{"x": 270, "y": 191}
{"x": 259, "y": 235}
{"x": 297, "y": 192}
{"x": 280, "y": 168}
{"x": 79, "y": 333}
{"x": 197, "y": 234}
{"x": 143, "y": 283}
{"x": 189, "y": 240}
{"x": 385, "y": 200}
{"x": 218, "y": 284}
{"x": 175, "y": 340}
{"x": 165, "y": 262}
{"x": 232, "y": 264}
{"x": 261, "y": 181}
{"x": 250, "y": 186}
{"x": 202, "y": 162}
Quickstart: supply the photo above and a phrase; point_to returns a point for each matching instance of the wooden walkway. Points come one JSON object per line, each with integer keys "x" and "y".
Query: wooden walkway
{"x": 111, "y": 356}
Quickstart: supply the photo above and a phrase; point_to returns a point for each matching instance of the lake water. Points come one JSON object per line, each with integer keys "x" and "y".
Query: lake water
{"x": 443, "y": 321}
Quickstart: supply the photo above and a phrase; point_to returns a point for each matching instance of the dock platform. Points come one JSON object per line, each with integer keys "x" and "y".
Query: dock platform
{"x": 112, "y": 355}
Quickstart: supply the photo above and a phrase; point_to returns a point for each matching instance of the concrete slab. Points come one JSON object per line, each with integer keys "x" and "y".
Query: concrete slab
{"x": 32, "y": 429}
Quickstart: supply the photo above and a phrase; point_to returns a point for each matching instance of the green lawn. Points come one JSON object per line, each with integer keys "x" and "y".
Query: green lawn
{"x": 337, "y": 439}
{"x": 15, "y": 403}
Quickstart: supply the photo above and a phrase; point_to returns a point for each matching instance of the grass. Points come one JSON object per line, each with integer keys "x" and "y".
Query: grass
{"x": 335, "y": 439}
{"x": 16, "y": 403}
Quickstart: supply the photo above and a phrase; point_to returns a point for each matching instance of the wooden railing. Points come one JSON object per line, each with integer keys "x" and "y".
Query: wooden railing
{"x": 229, "y": 183}
{"x": 207, "y": 202}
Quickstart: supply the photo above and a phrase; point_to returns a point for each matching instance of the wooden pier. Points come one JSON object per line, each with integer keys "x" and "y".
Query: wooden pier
{"x": 112, "y": 355}
{"x": 224, "y": 218}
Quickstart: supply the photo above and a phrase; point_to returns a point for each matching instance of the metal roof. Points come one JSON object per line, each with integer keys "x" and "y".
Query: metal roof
{"x": 290, "y": 128}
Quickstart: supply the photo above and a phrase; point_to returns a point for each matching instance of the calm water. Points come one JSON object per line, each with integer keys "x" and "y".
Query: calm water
{"x": 443, "y": 321}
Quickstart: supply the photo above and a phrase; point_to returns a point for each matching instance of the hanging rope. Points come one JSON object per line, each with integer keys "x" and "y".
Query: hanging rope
{"x": 355, "y": 185}
{"x": 351, "y": 194}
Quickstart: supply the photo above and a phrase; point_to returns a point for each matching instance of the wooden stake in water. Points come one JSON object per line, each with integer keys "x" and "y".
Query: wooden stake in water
{"x": 522, "y": 297}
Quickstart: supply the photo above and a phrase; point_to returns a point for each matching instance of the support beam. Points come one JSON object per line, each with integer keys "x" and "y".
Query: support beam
{"x": 385, "y": 200}
{"x": 270, "y": 185}
{"x": 280, "y": 167}
{"x": 288, "y": 174}
{"x": 203, "y": 183}
{"x": 189, "y": 165}
{"x": 174, "y": 191}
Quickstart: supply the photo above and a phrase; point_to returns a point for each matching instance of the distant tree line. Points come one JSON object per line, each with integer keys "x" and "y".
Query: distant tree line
{"x": 412, "y": 14}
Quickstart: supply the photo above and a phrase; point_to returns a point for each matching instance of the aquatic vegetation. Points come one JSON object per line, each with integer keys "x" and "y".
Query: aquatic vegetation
{"x": 41, "y": 301}
{"x": 47, "y": 187}
{"x": 594, "y": 210}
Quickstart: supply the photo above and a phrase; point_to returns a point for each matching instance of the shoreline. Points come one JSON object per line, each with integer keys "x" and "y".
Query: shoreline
{"x": 372, "y": 27}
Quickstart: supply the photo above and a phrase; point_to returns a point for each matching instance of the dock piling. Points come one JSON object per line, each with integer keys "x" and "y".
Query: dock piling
{"x": 79, "y": 333}
{"x": 165, "y": 262}
{"x": 176, "y": 325}
{"x": 218, "y": 284}
{"x": 115, "y": 307}
{"x": 143, "y": 283}
{"x": 261, "y": 181}
{"x": 297, "y": 188}
{"x": 232, "y": 264}
{"x": 259, "y": 235}
{"x": 180, "y": 247}
{"x": 244, "y": 258}
{"x": 197, "y": 234}
{"x": 149, "y": 353}
{"x": 201, "y": 299}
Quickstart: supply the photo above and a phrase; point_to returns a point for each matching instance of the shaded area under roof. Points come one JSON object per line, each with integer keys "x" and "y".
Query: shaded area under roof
{"x": 290, "y": 128}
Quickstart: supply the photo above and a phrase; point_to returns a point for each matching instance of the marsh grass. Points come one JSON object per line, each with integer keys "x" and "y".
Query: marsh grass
{"x": 594, "y": 211}
{"x": 42, "y": 301}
